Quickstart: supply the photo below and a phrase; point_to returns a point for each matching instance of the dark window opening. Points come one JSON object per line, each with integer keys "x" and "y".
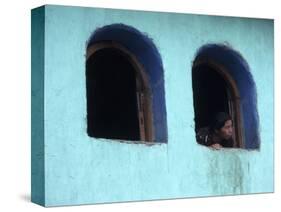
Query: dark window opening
{"x": 145, "y": 92}
{"x": 210, "y": 95}
{"x": 213, "y": 93}
{"x": 112, "y": 107}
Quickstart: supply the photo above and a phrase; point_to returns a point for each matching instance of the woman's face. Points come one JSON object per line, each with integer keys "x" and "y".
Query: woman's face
{"x": 226, "y": 131}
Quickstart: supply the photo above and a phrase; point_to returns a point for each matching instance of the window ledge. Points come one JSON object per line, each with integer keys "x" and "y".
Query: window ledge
{"x": 130, "y": 141}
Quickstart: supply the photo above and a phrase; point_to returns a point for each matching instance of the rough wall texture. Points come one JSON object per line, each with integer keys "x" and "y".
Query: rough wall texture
{"x": 79, "y": 169}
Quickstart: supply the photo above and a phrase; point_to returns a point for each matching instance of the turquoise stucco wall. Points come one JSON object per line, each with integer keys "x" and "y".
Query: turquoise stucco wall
{"x": 81, "y": 170}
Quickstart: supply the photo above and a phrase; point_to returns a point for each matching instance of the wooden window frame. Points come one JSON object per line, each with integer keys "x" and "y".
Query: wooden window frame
{"x": 233, "y": 97}
{"x": 143, "y": 91}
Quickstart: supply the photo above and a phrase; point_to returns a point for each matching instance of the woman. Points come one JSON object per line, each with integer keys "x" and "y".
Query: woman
{"x": 218, "y": 134}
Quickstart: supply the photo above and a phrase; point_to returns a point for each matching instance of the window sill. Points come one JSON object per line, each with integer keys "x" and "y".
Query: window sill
{"x": 146, "y": 143}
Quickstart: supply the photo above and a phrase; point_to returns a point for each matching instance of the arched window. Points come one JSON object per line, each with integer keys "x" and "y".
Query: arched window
{"x": 222, "y": 82}
{"x": 118, "y": 94}
{"x": 125, "y": 86}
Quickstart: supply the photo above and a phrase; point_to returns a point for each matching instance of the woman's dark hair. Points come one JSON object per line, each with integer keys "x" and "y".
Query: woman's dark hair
{"x": 219, "y": 120}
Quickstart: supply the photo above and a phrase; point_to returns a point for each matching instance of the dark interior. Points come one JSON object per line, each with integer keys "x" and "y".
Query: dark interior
{"x": 209, "y": 95}
{"x": 111, "y": 96}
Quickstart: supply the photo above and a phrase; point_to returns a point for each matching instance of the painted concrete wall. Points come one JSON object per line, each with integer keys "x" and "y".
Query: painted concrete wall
{"x": 79, "y": 169}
